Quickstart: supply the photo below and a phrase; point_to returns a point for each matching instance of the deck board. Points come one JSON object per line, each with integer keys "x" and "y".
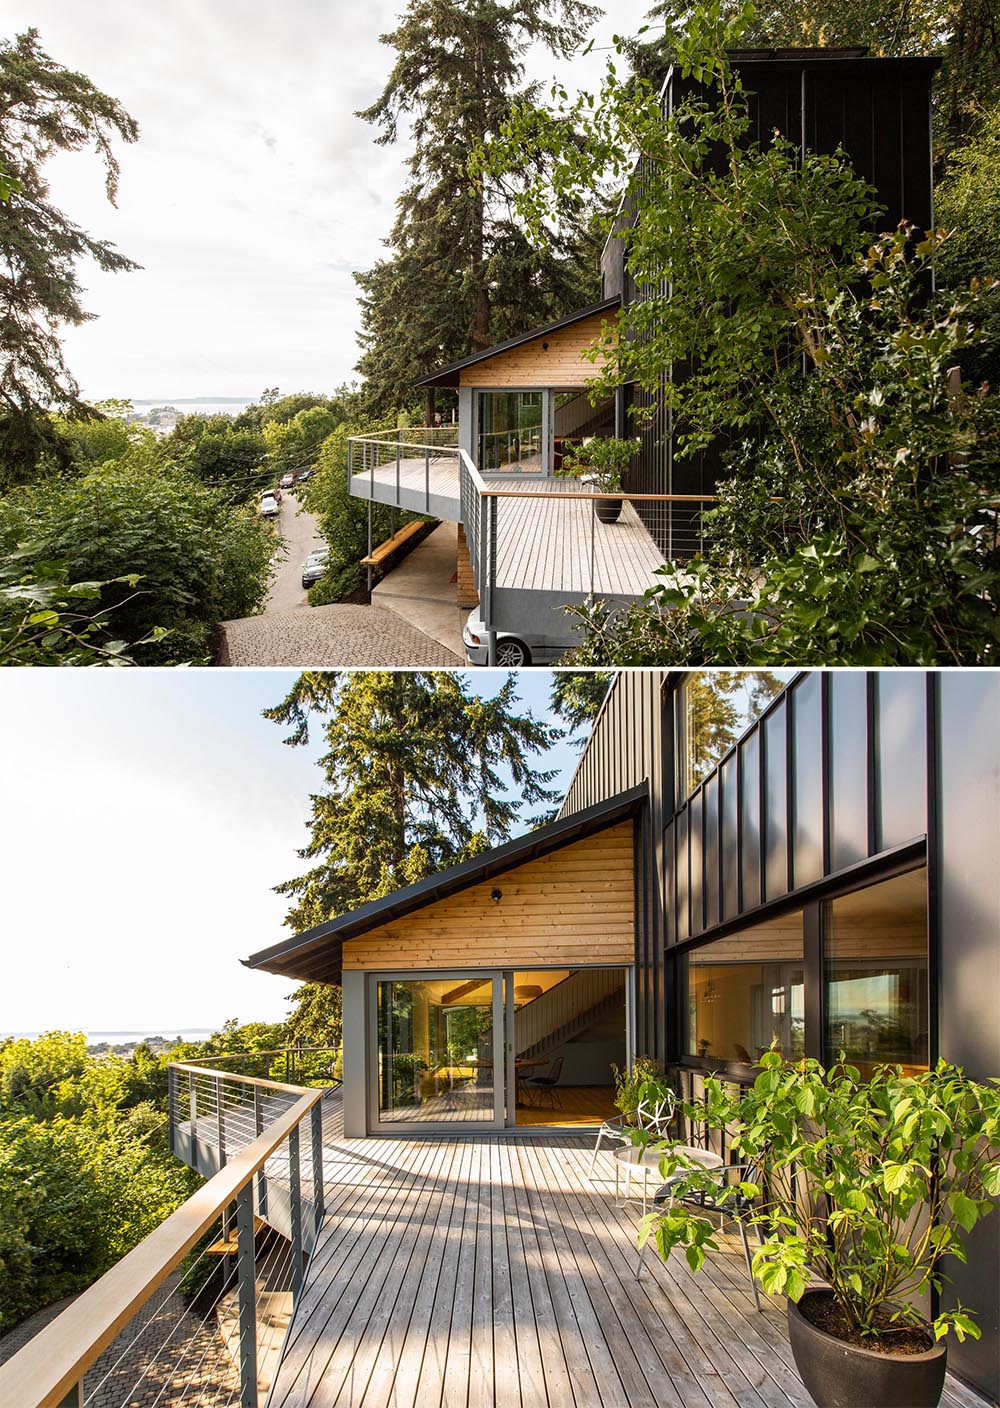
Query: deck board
{"x": 479, "y": 1270}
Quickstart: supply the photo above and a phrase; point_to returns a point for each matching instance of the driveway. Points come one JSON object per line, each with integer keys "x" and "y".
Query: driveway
{"x": 300, "y": 531}
{"x": 359, "y": 636}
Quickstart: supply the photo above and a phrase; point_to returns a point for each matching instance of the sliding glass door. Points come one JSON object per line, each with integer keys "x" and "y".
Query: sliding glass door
{"x": 438, "y": 1055}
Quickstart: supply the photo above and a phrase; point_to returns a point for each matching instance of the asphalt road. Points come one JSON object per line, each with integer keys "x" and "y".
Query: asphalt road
{"x": 300, "y": 531}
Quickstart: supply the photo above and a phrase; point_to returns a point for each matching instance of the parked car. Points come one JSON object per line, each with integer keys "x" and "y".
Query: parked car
{"x": 269, "y": 506}
{"x": 512, "y": 650}
{"x": 304, "y": 474}
{"x": 287, "y": 481}
{"x": 314, "y": 566}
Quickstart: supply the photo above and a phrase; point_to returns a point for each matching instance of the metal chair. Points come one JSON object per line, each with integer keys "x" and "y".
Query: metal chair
{"x": 651, "y": 1115}
{"x": 736, "y": 1207}
{"x": 547, "y": 1084}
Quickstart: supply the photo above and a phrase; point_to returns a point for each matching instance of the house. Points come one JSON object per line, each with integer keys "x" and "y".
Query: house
{"x": 530, "y": 543}
{"x": 832, "y": 883}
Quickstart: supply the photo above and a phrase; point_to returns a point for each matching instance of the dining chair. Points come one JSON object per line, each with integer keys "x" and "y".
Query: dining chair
{"x": 651, "y": 1115}
{"x": 547, "y": 1084}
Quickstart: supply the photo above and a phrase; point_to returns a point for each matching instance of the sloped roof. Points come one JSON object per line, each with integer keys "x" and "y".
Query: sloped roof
{"x": 317, "y": 954}
{"x": 449, "y": 376}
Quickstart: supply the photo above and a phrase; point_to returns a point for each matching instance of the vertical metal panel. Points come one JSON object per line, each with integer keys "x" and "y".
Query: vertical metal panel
{"x": 807, "y": 781}
{"x": 749, "y": 756}
{"x": 696, "y": 852}
{"x": 730, "y": 838}
{"x": 683, "y": 863}
{"x": 901, "y": 762}
{"x": 965, "y": 853}
{"x": 848, "y": 769}
{"x": 713, "y": 897}
{"x": 775, "y": 801}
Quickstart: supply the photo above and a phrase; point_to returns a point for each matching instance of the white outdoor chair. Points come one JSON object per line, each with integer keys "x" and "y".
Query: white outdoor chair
{"x": 651, "y": 1115}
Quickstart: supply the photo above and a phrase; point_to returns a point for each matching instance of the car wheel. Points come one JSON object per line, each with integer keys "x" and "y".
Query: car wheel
{"x": 511, "y": 653}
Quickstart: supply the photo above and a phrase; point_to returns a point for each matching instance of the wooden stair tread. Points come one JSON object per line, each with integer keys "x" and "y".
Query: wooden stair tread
{"x": 228, "y": 1246}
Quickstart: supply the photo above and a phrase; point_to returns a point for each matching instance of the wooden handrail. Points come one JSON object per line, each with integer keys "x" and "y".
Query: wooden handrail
{"x": 42, "y": 1373}
{"x": 231, "y": 1075}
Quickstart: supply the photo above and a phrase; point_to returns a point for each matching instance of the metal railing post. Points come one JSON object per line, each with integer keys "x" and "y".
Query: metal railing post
{"x": 295, "y": 1180}
{"x": 427, "y": 479}
{"x": 172, "y": 1108}
{"x": 316, "y": 1118}
{"x": 247, "y": 1279}
{"x": 74, "y": 1397}
{"x": 221, "y": 1120}
{"x": 399, "y": 455}
{"x": 193, "y": 1108}
{"x": 258, "y": 1124}
{"x": 593, "y": 532}
{"x": 368, "y": 569}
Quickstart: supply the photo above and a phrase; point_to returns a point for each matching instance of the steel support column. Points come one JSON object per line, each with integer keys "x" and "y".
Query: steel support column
{"x": 246, "y": 1275}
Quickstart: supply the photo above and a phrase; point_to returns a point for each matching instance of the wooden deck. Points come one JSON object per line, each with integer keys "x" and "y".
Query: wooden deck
{"x": 547, "y": 544}
{"x": 482, "y": 1271}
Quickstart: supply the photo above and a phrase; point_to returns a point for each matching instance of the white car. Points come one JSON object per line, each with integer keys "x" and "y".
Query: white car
{"x": 512, "y": 650}
{"x": 314, "y": 566}
{"x": 269, "y": 506}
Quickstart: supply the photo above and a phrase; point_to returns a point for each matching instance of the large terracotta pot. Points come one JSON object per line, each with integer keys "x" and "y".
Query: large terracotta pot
{"x": 840, "y": 1375}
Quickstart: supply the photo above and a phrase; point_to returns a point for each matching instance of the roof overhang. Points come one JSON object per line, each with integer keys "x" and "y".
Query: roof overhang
{"x": 450, "y": 375}
{"x": 317, "y": 955}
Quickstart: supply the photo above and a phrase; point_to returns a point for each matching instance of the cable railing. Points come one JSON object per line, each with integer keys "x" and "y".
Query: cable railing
{"x": 197, "y": 1312}
{"x": 298, "y": 1065}
{"x": 411, "y": 468}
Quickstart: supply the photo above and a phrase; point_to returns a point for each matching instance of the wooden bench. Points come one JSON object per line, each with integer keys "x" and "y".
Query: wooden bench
{"x": 397, "y": 540}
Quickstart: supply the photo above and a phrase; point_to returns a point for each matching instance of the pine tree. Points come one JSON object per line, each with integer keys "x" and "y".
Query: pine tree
{"x": 577, "y": 696}
{"x": 412, "y": 780}
{"x": 44, "y": 110}
{"x": 461, "y": 274}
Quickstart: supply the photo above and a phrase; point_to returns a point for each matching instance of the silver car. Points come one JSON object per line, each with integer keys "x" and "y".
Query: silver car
{"x": 314, "y": 566}
{"x": 512, "y": 651}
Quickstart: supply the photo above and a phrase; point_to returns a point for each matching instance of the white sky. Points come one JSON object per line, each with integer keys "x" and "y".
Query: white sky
{"x": 253, "y": 192}
{"x": 144, "y": 817}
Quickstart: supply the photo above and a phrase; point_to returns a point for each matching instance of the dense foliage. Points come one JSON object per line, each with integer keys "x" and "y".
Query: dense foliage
{"x": 461, "y": 274}
{"x": 45, "y": 110}
{"x": 85, "y": 1171}
{"x": 856, "y": 518}
{"x": 173, "y": 555}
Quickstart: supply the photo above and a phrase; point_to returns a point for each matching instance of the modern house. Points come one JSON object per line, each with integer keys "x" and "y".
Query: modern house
{"x": 832, "y": 883}
{"x": 530, "y": 543}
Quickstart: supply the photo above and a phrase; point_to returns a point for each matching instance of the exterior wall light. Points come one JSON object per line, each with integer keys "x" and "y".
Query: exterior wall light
{"x": 496, "y": 895}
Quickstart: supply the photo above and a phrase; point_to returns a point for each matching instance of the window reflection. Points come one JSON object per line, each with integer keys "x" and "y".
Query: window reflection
{"x": 875, "y": 946}
{"x": 748, "y": 991}
{"x": 435, "y": 1041}
{"x": 510, "y": 431}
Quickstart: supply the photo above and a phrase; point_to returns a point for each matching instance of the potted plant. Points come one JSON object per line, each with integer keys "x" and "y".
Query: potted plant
{"x": 866, "y": 1185}
{"x": 641, "y": 1084}
{"x": 602, "y": 463}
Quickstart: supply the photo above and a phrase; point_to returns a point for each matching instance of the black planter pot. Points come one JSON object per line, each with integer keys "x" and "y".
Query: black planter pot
{"x": 839, "y": 1375}
{"x": 608, "y": 510}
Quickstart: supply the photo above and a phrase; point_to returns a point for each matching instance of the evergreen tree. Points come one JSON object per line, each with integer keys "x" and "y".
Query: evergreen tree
{"x": 412, "y": 780}
{"x": 461, "y": 274}
{"x": 44, "y": 110}
{"x": 577, "y": 696}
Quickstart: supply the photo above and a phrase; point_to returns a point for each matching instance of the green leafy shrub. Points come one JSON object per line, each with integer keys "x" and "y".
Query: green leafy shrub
{"x": 890, "y": 1176}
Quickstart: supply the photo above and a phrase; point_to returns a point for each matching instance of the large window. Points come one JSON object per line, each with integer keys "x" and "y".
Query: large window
{"x": 746, "y": 992}
{"x": 511, "y": 428}
{"x": 865, "y": 971}
{"x": 875, "y": 951}
{"x": 435, "y": 1050}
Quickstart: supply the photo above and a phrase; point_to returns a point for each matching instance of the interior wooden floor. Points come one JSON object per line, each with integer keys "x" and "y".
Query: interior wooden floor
{"x": 578, "y": 1106}
{"x": 493, "y": 1272}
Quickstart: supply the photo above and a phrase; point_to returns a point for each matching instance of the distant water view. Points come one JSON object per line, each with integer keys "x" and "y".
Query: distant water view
{"x": 95, "y": 1038}
{"x": 198, "y": 406}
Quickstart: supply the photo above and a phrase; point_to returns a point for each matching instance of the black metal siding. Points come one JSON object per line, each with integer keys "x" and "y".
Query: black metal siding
{"x": 965, "y": 792}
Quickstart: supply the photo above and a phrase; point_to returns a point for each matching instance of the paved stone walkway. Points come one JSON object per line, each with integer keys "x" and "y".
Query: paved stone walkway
{"x": 343, "y": 636}
{"x": 166, "y": 1355}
